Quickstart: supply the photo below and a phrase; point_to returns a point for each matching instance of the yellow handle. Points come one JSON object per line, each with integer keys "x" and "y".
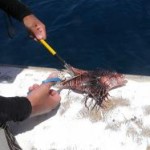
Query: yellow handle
{"x": 48, "y": 47}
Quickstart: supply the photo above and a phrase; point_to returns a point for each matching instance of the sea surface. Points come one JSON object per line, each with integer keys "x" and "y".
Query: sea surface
{"x": 88, "y": 34}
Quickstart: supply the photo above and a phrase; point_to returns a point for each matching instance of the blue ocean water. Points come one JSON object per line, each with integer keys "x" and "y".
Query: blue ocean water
{"x": 88, "y": 34}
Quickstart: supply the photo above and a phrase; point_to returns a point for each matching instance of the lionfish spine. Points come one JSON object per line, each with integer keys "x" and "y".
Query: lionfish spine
{"x": 96, "y": 84}
{"x": 76, "y": 83}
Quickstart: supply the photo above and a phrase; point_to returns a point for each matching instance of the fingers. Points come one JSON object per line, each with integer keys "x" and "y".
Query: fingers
{"x": 39, "y": 31}
{"x": 43, "y": 87}
{"x": 47, "y": 86}
{"x": 36, "y": 28}
{"x": 34, "y": 86}
{"x": 54, "y": 97}
{"x": 53, "y": 92}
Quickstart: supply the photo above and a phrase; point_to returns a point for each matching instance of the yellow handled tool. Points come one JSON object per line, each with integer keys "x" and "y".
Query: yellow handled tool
{"x": 48, "y": 47}
{"x": 53, "y": 52}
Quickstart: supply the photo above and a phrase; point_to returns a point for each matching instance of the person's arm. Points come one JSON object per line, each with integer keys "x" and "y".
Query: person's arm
{"x": 41, "y": 99}
{"x": 15, "y": 8}
{"x": 14, "y": 109}
{"x": 22, "y": 13}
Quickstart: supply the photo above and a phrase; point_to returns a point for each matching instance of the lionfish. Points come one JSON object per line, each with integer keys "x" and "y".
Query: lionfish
{"x": 96, "y": 84}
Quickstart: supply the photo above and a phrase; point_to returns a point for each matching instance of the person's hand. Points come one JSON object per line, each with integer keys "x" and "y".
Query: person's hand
{"x": 35, "y": 27}
{"x": 42, "y": 98}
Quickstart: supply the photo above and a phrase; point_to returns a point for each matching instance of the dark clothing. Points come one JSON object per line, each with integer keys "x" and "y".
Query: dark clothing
{"x": 14, "y": 108}
{"x": 15, "y": 8}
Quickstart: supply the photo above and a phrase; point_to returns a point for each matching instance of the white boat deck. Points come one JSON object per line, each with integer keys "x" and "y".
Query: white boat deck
{"x": 123, "y": 125}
